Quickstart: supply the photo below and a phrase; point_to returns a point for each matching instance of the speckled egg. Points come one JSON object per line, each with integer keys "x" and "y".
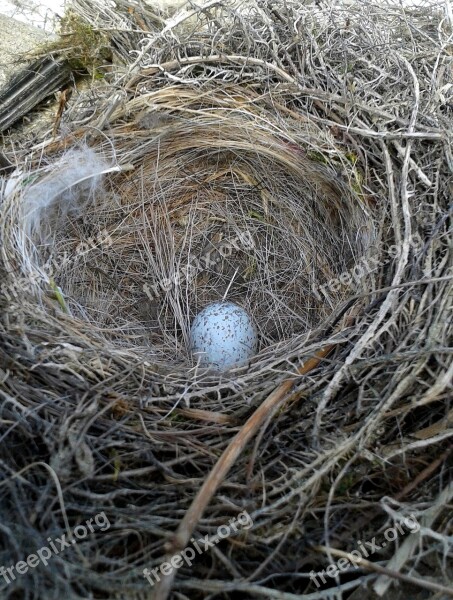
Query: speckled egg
{"x": 223, "y": 336}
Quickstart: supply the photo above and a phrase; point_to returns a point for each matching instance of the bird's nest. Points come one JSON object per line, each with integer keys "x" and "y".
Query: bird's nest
{"x": 293, "y": 160}
{"x": 221, "y": 198}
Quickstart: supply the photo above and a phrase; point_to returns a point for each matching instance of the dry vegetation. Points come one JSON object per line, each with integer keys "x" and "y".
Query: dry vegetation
{"x": 323, "y": 133}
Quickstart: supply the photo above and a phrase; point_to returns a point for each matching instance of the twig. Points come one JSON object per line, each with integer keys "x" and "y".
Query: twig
{"x": 370, "y": 566}
{"x": 267, "y": 592}
{"x": 407, "y": 548}
{"x": 224, "y": 464}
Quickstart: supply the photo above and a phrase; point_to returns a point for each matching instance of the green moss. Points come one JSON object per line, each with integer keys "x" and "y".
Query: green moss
{"x": 317, "y": 156}
{"x": 86, "y": 50}
{"x": 352, "y": 157}
{"x": 357, "y": 182}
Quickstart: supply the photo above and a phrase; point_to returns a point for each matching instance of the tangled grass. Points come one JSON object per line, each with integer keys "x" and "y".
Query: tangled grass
{"x": 266, "y": 224}
{"x": 306, "y": 150}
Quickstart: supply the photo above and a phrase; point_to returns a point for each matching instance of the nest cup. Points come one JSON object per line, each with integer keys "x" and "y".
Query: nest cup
{"x": 221, "y": 199}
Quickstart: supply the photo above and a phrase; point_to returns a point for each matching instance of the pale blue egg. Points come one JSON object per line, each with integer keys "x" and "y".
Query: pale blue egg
{"x": 223, "y": 336}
